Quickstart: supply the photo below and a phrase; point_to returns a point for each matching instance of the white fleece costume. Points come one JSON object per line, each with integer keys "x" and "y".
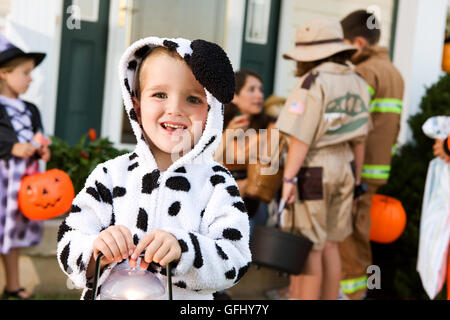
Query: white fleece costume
{"x": 196, "y": 199}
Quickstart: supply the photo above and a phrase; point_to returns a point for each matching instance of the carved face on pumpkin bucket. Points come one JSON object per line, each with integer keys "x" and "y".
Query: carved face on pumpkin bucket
{"x": 46, "y": 195}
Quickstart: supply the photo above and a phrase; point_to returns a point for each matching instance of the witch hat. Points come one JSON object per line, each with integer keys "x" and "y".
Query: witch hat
{"x": 8, "y": 51}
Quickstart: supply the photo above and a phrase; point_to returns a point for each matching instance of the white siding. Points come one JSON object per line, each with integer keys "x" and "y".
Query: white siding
{"x": 4, "y": 11}
{"x": 418, "y": 46}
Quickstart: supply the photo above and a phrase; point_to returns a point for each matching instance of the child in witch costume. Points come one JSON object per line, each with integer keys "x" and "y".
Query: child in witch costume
{"x": 20, "y": 125}
{"x": 168, "y": 199}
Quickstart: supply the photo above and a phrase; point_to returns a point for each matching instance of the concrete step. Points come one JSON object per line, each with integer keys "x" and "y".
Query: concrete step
{"x": 256, "y": 282}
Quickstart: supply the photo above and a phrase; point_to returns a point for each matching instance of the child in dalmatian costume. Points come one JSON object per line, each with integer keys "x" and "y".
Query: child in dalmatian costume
{"x": 194, "y": 201}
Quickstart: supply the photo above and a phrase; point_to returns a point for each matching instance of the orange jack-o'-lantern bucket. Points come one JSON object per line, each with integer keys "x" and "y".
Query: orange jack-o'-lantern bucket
{"x": 46, "y": 195}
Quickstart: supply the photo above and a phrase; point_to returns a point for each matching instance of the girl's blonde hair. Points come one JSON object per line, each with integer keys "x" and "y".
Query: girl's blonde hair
{"x": 11, "y": 65}
{"x": 14, "y": 63}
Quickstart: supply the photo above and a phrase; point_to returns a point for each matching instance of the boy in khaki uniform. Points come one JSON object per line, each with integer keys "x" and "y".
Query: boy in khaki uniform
{"x": 327, "y": 119}
{"x": 386, "y": 86}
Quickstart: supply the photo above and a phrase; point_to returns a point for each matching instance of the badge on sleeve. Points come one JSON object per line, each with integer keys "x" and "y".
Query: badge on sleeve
{"x": 297, "y": 107}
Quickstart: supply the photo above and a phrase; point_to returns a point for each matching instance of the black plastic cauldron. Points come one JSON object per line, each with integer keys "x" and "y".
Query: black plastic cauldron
{"x": 279, "y": 250}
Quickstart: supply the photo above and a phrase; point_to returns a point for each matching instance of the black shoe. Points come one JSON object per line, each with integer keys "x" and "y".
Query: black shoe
{"x": 15, "y": 294}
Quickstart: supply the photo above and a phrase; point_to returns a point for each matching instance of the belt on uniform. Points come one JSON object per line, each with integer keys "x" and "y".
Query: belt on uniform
{"x": 373, "y": 171}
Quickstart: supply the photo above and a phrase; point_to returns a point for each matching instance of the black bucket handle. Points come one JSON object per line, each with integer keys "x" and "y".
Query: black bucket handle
{"x": 97, "y": 273}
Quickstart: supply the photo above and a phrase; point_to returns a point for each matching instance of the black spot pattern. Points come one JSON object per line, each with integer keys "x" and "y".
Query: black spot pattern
{"x": 133, "y": 156}
{"x": 221, "y": 253}
{"x": 221, "y": 169}
{"x": 64, "y": 257}
{"x": 104, "y": 192}
{"x": 105, "y": 170}
{"x": 216, "y": 179}
{"x": 232, "y": 234}
{"x": 202, "y": 213}
{"x": 113, "y": 219}
{"x": 183, "y": 245}
{"x": 174, "y": 208}
{"x": 181, "y": 170}
{"x": 135, "y": 239}
{"x": 80, "y": 263}
{"x": 142, "y": 52}
{"x": 132, "y": 65}
{"x": 230, "y": 274}
{"x": 151, "y": 268}
{"x": 127, "y": 85}
{"x": 150, "y": 181}
{"x": 208, "y": 143}
{"x": 63, "y": 228}
{"x": 133, "y": 166}
{"x": 180, "y": 284}
{"x": 198, "y": 260}
{"x": 233, "y": 191}
{"x": 178, "y": 183}
{"x": 75, "y": 208}
{"x": 93, "y": 193}
{"x": 119, "y": 192}
{"x": 170, "y": 44}
{"x": 241, "y": 272}
{"x": 212, "y": 68}
{"x": 240, "y": 206}
{"x": 133, "y": 115}
{"x": 142, "y": 220}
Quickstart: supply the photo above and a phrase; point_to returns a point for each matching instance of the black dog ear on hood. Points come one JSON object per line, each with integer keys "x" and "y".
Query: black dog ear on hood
{"x": 212, "y": 68}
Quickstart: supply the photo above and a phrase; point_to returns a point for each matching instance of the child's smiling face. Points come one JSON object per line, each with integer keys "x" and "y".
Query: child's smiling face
{"x": 172, "y": 106}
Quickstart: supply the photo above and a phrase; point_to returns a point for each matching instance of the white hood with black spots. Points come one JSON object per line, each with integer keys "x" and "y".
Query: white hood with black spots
{"x": 196, "y": 199}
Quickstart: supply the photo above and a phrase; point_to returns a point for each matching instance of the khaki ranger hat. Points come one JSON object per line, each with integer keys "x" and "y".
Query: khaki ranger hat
{"x": 317, "y": 39}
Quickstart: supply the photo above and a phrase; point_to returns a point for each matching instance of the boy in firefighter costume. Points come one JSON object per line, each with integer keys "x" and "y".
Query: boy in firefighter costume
{"x": 386, "y": 86}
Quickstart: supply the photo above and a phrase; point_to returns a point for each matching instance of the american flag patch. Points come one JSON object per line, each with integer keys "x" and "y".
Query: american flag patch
{"x": 297, "y": 107}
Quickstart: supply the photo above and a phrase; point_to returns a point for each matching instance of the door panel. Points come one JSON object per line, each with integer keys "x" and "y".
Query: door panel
{"x": 259, "y": 44}
{"x": 82, "y": 69}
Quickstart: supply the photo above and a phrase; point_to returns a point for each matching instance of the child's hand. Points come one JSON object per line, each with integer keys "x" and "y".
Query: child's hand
{"x": 44, "y": 153}
{"x": 438, "y": 150}
{"x": 288, "y": 192}
{"x": 116, "y": 244}
{"x": 23, "y": 150}
{"x": 162, "y": 247}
